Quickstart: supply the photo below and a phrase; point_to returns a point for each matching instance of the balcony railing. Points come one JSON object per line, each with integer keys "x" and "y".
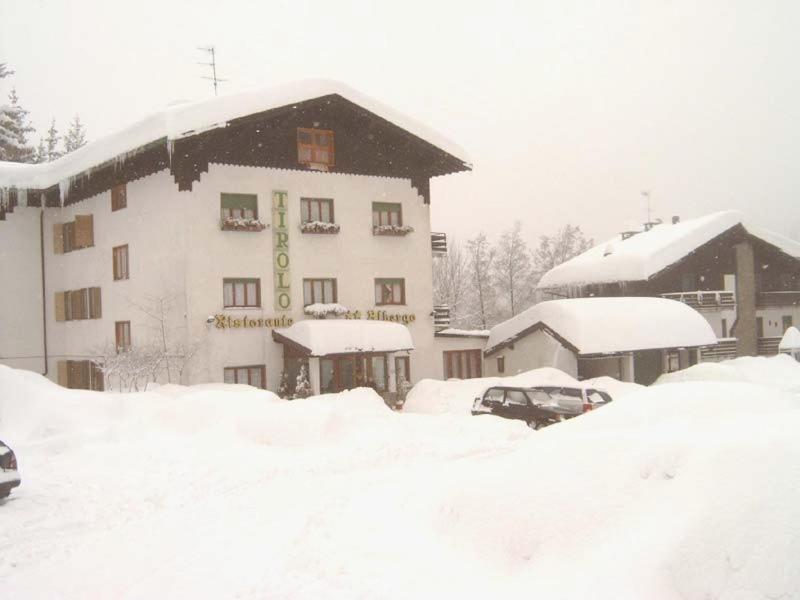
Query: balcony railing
{"x": 705, "y": 301}
{"x": 773, "y": 299}
{"x": 441, "y": 316}
{"x": 439, "y": 243}
{"x": 768, "y": 346}
{"x": 722, "y": 350}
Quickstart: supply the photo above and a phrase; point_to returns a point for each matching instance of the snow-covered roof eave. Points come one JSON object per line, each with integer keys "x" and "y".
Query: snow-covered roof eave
{"x": 326, "y": 337}
{"x": 188, "y": 119}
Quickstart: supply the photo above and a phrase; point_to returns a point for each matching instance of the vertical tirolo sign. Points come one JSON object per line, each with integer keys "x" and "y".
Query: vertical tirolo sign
{"x": 280, "y": 251}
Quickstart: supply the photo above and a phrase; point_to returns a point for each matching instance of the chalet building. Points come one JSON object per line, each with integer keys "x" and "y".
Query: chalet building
{"x": 250, "y": 234}
{"x": 629, "y": 339}
{"x": 743, "y": 279}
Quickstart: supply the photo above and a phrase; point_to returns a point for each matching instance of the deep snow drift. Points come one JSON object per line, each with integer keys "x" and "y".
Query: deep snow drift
{"x": 681, "y": 490}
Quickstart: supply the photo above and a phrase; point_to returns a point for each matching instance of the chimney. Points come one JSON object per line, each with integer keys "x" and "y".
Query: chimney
{"x": 676, "y": 219}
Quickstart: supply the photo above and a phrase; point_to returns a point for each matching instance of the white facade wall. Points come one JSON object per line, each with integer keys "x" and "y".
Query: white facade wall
{"x": 21, "y": 324}
{"x": 773, "y": 319}
{"x": 538, "y": 349}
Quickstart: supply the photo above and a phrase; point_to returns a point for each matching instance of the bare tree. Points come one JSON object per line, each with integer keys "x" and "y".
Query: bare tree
{"x": 481, "y": 257}
{"x": 512, "y": 269}
{"x": 158, "y": 309}
{"x": 450, "y": 282}
{"x": 553, "y": 250}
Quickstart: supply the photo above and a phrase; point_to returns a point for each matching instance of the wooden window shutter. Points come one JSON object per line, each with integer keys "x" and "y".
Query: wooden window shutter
{"x": 95, "y": 304}
{"x": 63, "y": 373}
{"x": 84, "y": 231}
{"x": 58, "y": 238}
{"x": 76, "y": 304}
{"x": 60, "y": 304}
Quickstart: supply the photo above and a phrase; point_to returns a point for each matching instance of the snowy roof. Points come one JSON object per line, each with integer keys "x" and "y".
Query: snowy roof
{"x": 641, "y": 256}
{"x": 452, "y": 332}
{"x": 343, "y": 336}
{"x": 607, "y": 325}
{"x": 790, "y": 340}
{"x": 190, "y": 118}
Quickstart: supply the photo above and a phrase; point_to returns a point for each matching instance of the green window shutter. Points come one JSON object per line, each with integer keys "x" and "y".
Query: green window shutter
{"x": 246, "y": 201}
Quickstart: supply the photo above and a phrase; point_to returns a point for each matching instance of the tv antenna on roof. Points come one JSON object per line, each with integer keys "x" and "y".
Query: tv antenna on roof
{"x": 213, "y": 65}
{"x": 646, "y": 194}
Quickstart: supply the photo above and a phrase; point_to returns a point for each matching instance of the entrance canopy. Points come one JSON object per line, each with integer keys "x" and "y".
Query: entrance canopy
{"x": 328, "y": 337}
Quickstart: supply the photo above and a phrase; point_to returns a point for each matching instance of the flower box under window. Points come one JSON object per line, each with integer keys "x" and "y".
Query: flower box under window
{"x": 319, "y": 227}
{"x": 392, "y": 229}
{"x": 234, "y": 224}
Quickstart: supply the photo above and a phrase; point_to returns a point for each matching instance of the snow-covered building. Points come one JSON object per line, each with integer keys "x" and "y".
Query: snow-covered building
{"x": 630, "y": 339}
{"x": 790, "y": 343}
{"x": 214, "y": 229}
{"x": 743, "y": 279}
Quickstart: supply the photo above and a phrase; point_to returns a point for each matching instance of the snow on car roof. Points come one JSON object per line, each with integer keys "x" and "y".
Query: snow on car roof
{"x": 189, "y": 118}
{"x": 608, "y": 325}
{"x": 644, "y": 254}
{"x": 343, "y": 336}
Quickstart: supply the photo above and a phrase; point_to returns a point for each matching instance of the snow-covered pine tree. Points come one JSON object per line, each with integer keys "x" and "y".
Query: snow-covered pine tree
{"x": 303, "y": 387}
{"x": 76, "y": 136}
{"x": 14, "y": 130}
{"x": 40, "y": 155}
{"x": 283, "y": 388}
{"x": 51, "y": 142}
{"x": 512, "y": 270}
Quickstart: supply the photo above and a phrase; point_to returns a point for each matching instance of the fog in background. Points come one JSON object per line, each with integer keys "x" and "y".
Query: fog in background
{"x": 568, "y": 109}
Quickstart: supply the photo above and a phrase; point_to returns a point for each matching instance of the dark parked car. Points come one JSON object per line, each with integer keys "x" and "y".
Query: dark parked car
{"x": 9, "y": 477}
{"x": 539, "y": 406}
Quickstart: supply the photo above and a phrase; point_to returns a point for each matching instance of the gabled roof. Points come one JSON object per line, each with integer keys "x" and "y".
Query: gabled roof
{"x": 608, "y": 325}
{"x": 325, "y": 337}
{"x": 644, "y": 254}
{"x": 191, "y": 118}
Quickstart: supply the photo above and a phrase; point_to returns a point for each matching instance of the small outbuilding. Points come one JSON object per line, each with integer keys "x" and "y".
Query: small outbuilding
{"x": 630, "y": 339}
{"x": 790, "y": 343}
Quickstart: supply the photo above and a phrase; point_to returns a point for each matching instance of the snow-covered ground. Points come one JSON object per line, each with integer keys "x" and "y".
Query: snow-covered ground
{"x": 687, "y": 489}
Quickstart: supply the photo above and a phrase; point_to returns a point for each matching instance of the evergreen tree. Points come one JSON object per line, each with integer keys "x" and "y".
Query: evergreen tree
{"x": 40, "y": 155}
{"x": 283, "y": 388}
{"x": 76, "y": 136}
{"x": 14, "y": 130}
{"x": 51, "y": 141}
{"x": 303, "y": 387}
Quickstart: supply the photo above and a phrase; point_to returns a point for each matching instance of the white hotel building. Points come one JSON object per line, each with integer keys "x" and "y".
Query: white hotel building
{"x": 222, "y": 220}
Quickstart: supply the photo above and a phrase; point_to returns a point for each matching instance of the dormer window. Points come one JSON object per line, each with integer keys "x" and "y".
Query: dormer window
{"x": 315, "y": 147}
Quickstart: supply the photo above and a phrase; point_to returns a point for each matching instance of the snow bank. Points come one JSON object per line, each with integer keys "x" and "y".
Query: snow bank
{"x": 790, "y": 339}
{"x": 781, "y": 372}
{"x": 686, "y": 490}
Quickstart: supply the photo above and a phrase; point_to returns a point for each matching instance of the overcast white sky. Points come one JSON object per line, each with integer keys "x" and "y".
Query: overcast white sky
{"x": 568, "y": 109}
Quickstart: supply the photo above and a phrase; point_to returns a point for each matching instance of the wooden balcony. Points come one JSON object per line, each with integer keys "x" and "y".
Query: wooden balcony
{"x": 722, "y": 350}
{"x": 705, "y": 301}
{"x": 441, "y": 316}
{"x": 439, "y": 243}
{"x": 777, "y": 299}
{"x": 768, "y": 346}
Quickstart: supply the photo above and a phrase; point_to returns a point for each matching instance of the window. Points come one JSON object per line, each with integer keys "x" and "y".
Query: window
{"x": 241, "y": 292}
{"x": 254, "y": 375}
{"x": 724, "y": 328}
{"x": 462, "y": 364}
{"x": 119, "y": 197}
{"x": 760, "y": 327}
{"x": 353, "y": 370}
{"x": 122, "y": 331}
{"x": 501, "y": 364}
{"x": 77, "y": 305}
{"x": 239, "y": 206}
{"x": 120, "y": 259}
{"x": 402, "y": 369}
{"x": 516, "y": 398}
{"x": 673, "y": 362}
{"x": 315, "y": 147}
{"x": 80, "y": 375}
{"x": 786, "y": 322}
{"x": 74, "y": 235}
{"x": 316, "y": 209}
{"x": 390, "y": 291}
{"x": 387, "y": 213}
{"x": 493, "y": 397}
{"x": 319, "y": 291}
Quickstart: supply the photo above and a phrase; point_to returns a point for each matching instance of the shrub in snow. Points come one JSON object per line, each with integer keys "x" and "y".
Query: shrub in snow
{"x": 392, "y": 229}
{"x": 319, "y": 227}
{"x": 320, "y": 311}
{"x": 283, "y": 388}
{"x": 234, "y": 224}
{"x": 303, "y": 387}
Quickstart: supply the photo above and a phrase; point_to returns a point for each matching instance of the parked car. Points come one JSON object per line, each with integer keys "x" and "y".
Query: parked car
{"x": 9, "y": 476}
{"x": 539, "y": 406}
